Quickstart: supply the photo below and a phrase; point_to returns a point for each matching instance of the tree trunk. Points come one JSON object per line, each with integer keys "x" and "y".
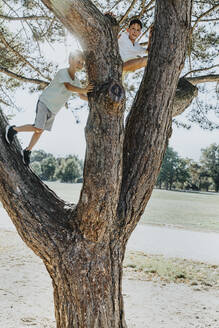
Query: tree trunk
{"x": 83, "y": 245}
{"x": 87, "y": 283}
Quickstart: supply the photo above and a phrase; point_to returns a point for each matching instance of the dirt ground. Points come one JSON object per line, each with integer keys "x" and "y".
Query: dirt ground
{"x": 26, "y": 295}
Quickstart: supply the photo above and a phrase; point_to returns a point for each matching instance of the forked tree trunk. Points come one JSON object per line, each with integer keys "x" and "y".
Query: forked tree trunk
{"x": 83, "y": 245}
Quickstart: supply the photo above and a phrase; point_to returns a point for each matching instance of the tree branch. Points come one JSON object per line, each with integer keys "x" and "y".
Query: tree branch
{"x": 202, "y": 15}
{"x": 207, "y": 20}
{"x": 185, "y": 93}
{"x": 24, "y": 195}
{"x": 148, "y": 125}
{"x": 42, "y": 83}
{"x": 104, "y": 130}
{"x": 202, "y": 79}
{"x": 146, "y": 8}
{"x": 201, "y": 69}
{"x": 25, "y": 18}
{"x": 7, "y": 45}
{"x": 127, "y": 12}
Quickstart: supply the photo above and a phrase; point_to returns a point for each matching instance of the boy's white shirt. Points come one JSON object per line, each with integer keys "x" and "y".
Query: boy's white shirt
{"x": 128, "y": 50}
{"x": 56, "y": 94}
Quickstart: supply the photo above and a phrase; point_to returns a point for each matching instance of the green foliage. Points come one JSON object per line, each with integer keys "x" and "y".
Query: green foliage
{"x": 36, "y": 167}
{"x": 49, "y": 168}
{"x": 25, "y": 39}
{"x": 182, "y": 173}
{"x": 69, "y": 170}
{"x": 173, "y": 169}
{"x": 39, "y": 155}
{"x": 210, "y": 162}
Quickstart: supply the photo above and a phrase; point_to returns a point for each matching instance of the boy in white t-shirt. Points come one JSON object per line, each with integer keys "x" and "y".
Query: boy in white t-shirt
{"x": 132, "y": 53}
{"x": 52, "y": 99}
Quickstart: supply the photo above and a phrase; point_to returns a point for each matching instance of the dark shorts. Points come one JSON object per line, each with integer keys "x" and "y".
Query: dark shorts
{"x": 44, "y": 117}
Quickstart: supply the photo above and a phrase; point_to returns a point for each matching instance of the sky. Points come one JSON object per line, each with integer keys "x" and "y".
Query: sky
{"x": 67, "y": 137}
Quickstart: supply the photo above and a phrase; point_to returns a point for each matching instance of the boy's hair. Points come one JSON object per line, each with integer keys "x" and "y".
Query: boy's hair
{"x": 135, "y": 21}
{"x": 76, "y": 53}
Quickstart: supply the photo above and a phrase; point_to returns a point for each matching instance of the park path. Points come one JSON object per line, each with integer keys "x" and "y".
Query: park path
{"x": 170, "y": 242}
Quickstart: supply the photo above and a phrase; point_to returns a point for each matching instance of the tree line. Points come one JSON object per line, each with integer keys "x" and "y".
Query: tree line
{"x": 50, "y": 168}
{"x": 180, "y": 173}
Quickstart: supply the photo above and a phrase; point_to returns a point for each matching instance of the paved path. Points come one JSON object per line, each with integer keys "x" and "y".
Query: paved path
{"x": 201, "y": 246}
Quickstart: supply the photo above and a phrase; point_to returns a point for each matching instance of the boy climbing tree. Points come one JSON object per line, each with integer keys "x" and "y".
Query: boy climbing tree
{"x": 52, "y": 99}
{"x": 132, "y": 53}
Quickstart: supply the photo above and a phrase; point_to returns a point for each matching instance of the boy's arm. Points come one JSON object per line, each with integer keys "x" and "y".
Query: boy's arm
{"x": 83, "y": 97}
{"x": 134, "y": 64}
{"x": 79, "y": 90}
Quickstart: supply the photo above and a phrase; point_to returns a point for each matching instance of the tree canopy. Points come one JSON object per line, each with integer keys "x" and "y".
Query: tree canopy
{"x": 28, "y": 26}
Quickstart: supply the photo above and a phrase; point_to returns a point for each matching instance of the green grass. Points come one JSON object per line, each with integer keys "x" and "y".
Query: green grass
{"x": 192, "y": 211}
{"x": 67, "y": 191}
{"x": 159, "y": 268}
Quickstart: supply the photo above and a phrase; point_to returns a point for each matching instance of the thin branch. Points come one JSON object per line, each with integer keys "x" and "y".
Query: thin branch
{"x": 202, "y": 15}
{"x": 116, "y": 4}
{"x": 23, "y": 78}
{"x": 127, "y": 12}
{"x": 15, "y": 12}
{"x": 49, "y": 28}
{"x": 10, "y": 102}
{"x": 202, "y": 79}
{"x": 4, "y": 103}
{"x": 7, "y": 45}
{"x": 208, "y": 20}
{"x": 146, "y": 8}
{"x": 201, "y": 69}
{"x": 28, "y": 24}
{"x": 25, "y": 18}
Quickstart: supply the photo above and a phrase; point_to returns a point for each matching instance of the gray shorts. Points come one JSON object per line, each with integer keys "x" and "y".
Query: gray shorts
{"x": 44, "y": 117}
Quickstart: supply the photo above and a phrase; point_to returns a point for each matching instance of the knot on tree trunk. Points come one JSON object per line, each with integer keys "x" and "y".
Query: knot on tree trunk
{"x": 112, "y": 96}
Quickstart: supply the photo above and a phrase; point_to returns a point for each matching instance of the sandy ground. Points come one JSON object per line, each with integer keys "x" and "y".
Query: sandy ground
{"x": 26, "y": 295}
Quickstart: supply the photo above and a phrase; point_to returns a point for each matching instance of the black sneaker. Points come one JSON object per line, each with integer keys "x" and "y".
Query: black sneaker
{"x": 26, "y": 157}
{"x": 10, "y": 133}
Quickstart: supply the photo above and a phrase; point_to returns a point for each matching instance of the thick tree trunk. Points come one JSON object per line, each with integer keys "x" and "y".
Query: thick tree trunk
{"x": 87, "y": 287}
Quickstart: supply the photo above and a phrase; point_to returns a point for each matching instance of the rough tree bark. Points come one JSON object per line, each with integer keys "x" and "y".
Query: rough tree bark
{"x": 83, "y": 245}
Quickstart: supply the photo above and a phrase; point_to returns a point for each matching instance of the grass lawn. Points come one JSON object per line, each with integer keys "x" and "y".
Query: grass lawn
{"x": 192, "y": 211}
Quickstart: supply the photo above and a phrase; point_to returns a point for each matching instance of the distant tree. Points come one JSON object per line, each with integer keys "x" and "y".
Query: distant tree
{"x": 210, "y": 162}
{"x": 168, "y": 172}
{"x": 39, "y": 155}
{"x": 205, "y": 180}
{"x": 182, "y": 172}
{"x": 36, "y": 168}
{"x": 69, "y": 170}
{"x": 48, "y": 168}
{"x": 194, "y": 182}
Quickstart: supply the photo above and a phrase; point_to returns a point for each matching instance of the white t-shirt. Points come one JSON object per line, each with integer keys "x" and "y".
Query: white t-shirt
{"x": 128, "y": 50}
{"x": 56, "y": 94}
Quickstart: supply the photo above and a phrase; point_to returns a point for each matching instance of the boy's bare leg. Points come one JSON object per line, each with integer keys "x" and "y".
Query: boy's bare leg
{"x": 30, "y": 128}
{"x": 25, "y": 128}
{"x": 134, "y": 64}
{"x": 34, "y": 139}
